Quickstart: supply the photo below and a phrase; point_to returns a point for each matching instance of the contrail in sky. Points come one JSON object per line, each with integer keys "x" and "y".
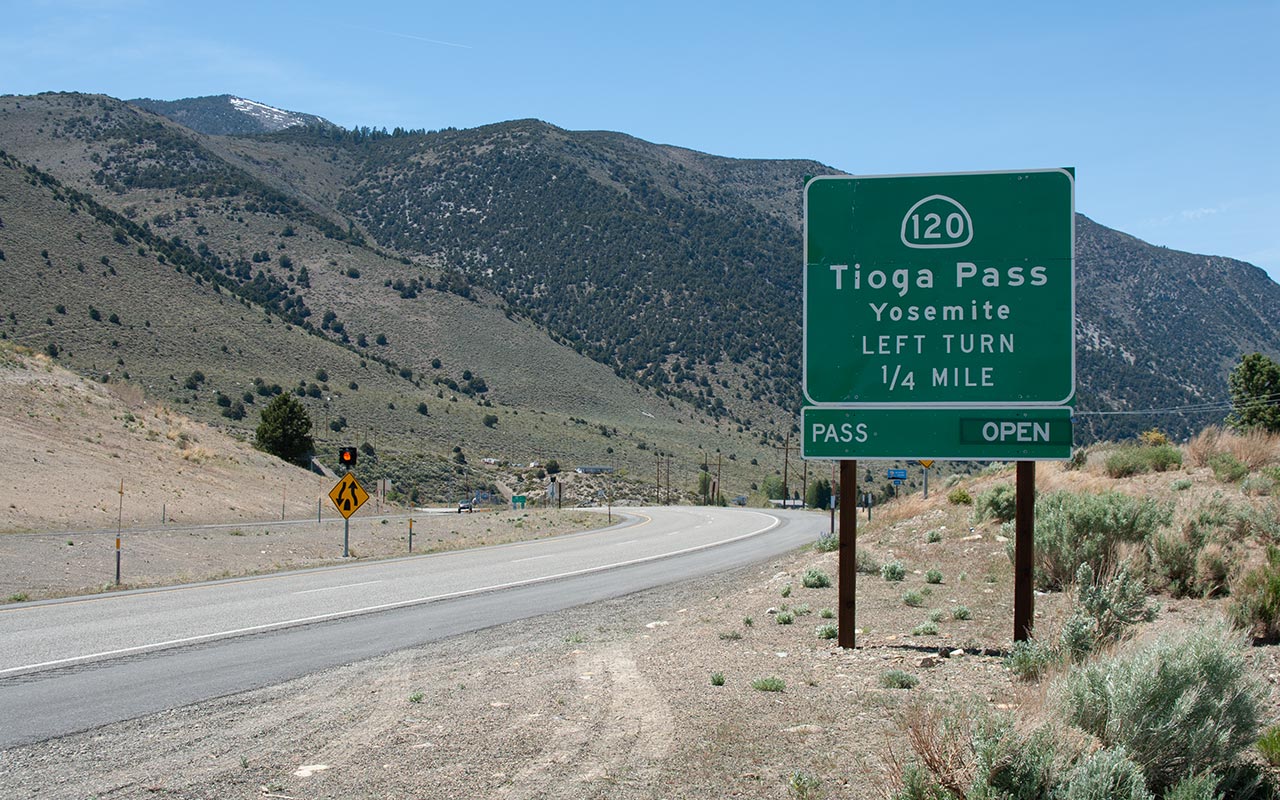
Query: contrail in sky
{"x": 420, "y": 39}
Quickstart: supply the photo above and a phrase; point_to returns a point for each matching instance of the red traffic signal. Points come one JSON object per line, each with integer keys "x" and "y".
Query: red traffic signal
{"x": 347, "y": 457}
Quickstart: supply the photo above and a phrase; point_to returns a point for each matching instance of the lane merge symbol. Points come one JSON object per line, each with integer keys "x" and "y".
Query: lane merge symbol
{"x": 348, "y": 495}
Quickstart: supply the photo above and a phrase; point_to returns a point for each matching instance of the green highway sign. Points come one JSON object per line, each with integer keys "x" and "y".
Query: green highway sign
{"x": 940, "y": 291}
{"x": 968, "y": 434}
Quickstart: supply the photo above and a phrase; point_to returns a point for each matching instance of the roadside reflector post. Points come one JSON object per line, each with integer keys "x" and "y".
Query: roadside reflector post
{"x": 119, "y": 524}
{"x": 1024, "y": 598}
{"x": 847, "y": 568}
{"x": 346, "y": 536}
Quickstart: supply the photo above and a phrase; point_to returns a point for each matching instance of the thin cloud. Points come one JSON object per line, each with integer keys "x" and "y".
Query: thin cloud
{"x": 419, "y": 38}
{"x": 1186, "y": 215}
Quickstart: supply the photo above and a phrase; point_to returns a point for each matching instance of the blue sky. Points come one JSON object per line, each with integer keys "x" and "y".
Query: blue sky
{"x": 1169, "y": 111}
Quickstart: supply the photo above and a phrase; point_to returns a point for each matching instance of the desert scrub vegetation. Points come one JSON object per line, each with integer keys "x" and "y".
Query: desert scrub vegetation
{"x": 1101, "y": 614}
{"x": 897, "y": 679}
{"x": 1255, "y": 601}
{"x": 893, "y": 571}
{"x": 1073, "y": 529}
{"x": 816, "y": 579}
{"x": 1138, "y": 459}
{"x": 1173, "y": 718}
{"x": 998, "y": 503}
{"x": 769, "y": 685}
{"x": 959, "y": 496}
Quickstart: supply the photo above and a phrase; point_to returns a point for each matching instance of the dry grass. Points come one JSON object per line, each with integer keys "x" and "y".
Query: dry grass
{"x": 1203, "y": 446}
{"x": 1254, "y": 449}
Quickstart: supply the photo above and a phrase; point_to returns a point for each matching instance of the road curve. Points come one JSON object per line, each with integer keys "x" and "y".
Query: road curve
{"x": 76, "y": 664}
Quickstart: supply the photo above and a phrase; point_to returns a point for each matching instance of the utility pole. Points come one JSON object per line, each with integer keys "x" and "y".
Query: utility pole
{"x": 786, "y": 465}
{"x": 715, "y": 488}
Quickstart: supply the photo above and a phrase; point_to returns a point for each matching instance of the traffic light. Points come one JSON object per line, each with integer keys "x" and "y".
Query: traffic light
{"x": 347, "y": 457}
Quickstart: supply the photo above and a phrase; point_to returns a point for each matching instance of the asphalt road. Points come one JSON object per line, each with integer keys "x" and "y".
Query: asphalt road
{"x": 75, "y": 664}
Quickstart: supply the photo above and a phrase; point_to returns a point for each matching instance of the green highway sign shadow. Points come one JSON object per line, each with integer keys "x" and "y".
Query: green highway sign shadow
{"x": 954, "y": 434}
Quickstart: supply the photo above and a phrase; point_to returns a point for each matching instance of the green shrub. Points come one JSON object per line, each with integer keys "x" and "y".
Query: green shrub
{"x": 1135, "y": 460}
{"x": 748, "y": 621}
{"x": 866, "y": 563}
{"x": 827, "y": 631}
{"x": 769, "y": 685}
{"x": 1182, "y": 484}
{"x": 816, "y": 579}
{"x": 961, "y": 613}
{"x": 827, "y": 542}
{"x": 933, "y": 576}
{"x": 933, "y": 537}
{"x": 1179, "y": 707}
{"x": 999, "y": 503}
{"x": 730, "y": 636}
{"x": 802, "y": 610}
{"x": 929, "y": 628}
{"x": 959, "y": 496}
{"x": 1226, "y": 468}
{"x": 1074, "y": 529}
{"x": 893, "y": 571}
{"x": 1032, "y": 659}
{"x": 937, "y": 615}
{"x": 1258, "y": 486}
{"x": 897, "y": 679}
{"x": 717, "y": 679}
{"x": 1255, "y": 605}
{"x": 1107, "y": 774}
{"x": 786, "y": 590}
{"x": 784, "y": 618}
{"x": 1269, "y": 745}
{"x": 913, "y": 599}
{"x": 827, "y": 613}
{"x": 804, "y": 786}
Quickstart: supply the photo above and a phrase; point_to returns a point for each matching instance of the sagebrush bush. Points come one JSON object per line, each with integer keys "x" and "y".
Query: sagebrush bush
{"x": 1139, "y": 459}
{"x": 867, "y": 563}
{"x": 1074, "y": 529}
{"x": 827, "y": 542}
{"x": 1179, "y": 707}
{"x": 828, "y": 631}
{"x": 784, "y": 618}
{"x": 933, "y": 576}
{"x": 1227, "y": 468}
{"x": 913, "y": 599}
{"x": 1107, "y": 774}
{"x": 999, "y": 502}
{"x": 959, "y": 496}
{"x": 769, "y": 685}
{"x": 1258, "y": 486}
{"x": 897, "y": 679}
{"x": 816, "y": 579}
{"x": 893, "y": 571}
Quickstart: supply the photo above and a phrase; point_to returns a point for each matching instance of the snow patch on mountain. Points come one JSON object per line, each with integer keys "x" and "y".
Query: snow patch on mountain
{"x": 272, "y": 118}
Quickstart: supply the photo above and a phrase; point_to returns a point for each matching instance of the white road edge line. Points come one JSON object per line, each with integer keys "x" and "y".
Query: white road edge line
{"x": 532, "y": 558}
{"x": 387, "y": 606}
{"x": 331, "y": 588}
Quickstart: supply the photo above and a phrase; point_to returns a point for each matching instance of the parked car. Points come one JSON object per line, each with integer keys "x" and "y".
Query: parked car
{"x": 465, "y": 505}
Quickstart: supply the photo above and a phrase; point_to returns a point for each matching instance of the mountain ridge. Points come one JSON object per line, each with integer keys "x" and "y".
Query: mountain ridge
{"x": 677, "y": 270}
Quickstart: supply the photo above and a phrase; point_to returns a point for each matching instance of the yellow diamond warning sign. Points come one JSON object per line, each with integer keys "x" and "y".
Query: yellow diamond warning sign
{"x": 926, "y": 463}
{"x": 348, "y": 495}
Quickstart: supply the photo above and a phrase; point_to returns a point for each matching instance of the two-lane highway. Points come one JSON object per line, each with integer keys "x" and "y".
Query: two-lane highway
{"x": 140, "y": 652}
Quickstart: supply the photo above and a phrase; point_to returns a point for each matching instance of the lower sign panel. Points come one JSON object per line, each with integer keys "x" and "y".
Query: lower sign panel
{"x": 1003, "y": 434}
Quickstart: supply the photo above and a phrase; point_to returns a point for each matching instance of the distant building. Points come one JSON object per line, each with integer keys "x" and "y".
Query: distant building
{"x": 593, "y": 470}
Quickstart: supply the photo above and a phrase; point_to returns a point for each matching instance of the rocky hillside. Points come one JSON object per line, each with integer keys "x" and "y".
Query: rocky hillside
{"x": 675, "y": 271}
{"x": 225, "y": 114}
